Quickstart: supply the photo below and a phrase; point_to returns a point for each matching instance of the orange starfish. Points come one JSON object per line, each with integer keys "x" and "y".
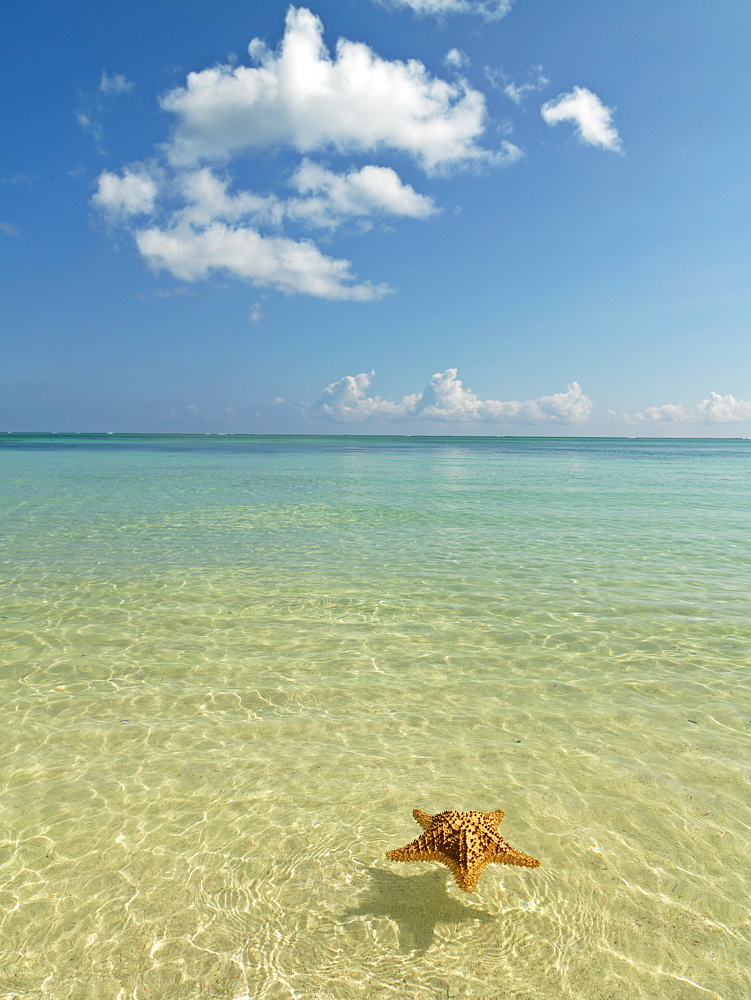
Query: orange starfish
{"x": 464, "y": 842}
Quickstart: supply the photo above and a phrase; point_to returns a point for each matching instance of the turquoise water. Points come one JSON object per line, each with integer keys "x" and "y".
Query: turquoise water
{"x": 232, "y": 666}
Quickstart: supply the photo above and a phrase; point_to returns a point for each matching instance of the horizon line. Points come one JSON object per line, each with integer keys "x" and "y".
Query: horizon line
{"x": 291, "y": 434}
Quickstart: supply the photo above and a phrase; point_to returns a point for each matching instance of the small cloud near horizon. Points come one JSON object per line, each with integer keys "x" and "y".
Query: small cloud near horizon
{"x": 716, "y": 409}
{"x": 446, "y": 398}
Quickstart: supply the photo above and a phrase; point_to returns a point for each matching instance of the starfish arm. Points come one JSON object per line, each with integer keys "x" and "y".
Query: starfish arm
{"x": 466, "y": 877}
{"x": 494, "y": 818}
{"x": 510, "y": 856}
{"x": 424, "y": 819}
{"x": 415, "y": 852}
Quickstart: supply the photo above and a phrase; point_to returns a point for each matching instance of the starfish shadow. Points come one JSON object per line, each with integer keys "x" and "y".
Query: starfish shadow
{"x": 416, "y": 904}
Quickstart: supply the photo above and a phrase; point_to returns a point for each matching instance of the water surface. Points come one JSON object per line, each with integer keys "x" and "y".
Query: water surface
{"x": 232, "y": 666}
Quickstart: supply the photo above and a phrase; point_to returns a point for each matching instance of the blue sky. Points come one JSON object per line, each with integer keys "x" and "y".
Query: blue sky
{"x": 415, "y": 216}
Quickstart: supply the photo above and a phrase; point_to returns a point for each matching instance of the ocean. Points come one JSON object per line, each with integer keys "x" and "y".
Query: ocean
{"x": 232, "y": 666}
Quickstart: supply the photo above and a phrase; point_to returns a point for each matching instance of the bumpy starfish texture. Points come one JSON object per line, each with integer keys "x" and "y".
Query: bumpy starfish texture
{"x": 464, "y": 842}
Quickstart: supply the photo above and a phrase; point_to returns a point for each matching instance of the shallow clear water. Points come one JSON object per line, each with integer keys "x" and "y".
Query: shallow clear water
{"x": 232, "y": 666}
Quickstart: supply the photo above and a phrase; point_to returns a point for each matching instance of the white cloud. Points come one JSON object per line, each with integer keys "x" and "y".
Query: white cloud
{"x": 715, "y": 410}
{"x": 301, "y": 98}
{"x": 667, "y": 413}
{"x": 121, "y": 196}
{"x": 724, "y": 409}
{"x": 116, "y": 84}
{"x": 446, "y": 398}
{"x": 491, "y": 10}
{"x": 217, "y": 230}
{"x": 331, "y": 198}
{"x": 346, "y": 400}
{"x": 594, "y": 121}
{"x": 9, "y": 229}
{"x": 208, "y": 201}
{"x": 366, "y": 192}
{"x": 455, "y": 58}
{"x": 289, "y": 265}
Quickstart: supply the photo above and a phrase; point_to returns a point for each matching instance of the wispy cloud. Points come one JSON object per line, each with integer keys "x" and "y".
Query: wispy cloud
{"x": 181, "y": 291}
{"x": 193, "y": 413}
{"x": 115, "y": 84}
{"x": 517, "y": 92}
{"x": 456, "y": 59}
{"x": 93, "y": 106}
{"x": 490, "y": 10}
{"x": 445, "y": 398}
{"x": 8, "y": 229}
{"x": 20, "y": 179}
{"x": 92, "y": 126}
{"x": 593, "y": 120}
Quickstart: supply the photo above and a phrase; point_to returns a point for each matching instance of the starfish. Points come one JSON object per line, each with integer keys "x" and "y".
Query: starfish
{"x": 464, "y": 842}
